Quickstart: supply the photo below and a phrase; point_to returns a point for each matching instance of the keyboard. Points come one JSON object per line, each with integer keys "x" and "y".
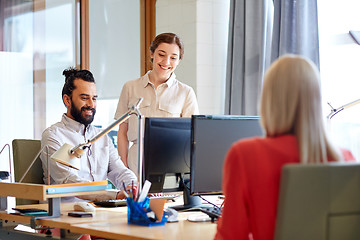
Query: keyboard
{"x": 111, "y": 203}
{"x": 30, "y": 210}
{"x": 122, "y": 202}
{"x": 212, "y": 212}
{"x": 169, "y": 197}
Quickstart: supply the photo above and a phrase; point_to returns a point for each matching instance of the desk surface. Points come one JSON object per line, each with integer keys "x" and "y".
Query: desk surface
{"x": 112, "y": 223}
{"x": 119, "y": 229}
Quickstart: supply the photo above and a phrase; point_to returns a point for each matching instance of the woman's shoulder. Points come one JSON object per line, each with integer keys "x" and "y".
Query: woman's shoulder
{"x": 347, "y": 155}
{"x": 273, "y": 142}
{"x": 183, "y": 87}
{"x": 134, "y": 81}
{"x": 133, "y": 85}
{"x": 267, "y": 140}
{"x": 248, "y": 143}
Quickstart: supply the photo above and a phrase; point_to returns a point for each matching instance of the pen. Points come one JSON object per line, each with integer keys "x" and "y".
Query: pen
{"x": 131, "y": 193}
{"x": 124, "y": 191}
{"x": 132, "y": 190}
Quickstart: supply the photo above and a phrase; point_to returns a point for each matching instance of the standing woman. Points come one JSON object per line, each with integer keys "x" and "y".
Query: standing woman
{"x": 164, "y": 95}
{"x": 291, "y": 116}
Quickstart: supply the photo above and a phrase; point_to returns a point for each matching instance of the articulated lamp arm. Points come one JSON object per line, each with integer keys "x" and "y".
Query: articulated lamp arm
{"x": 79, "y": 149}
{"x": 335, "y": 111}
{"x": 67, "y": 153}
{"x": 5, "y": 174}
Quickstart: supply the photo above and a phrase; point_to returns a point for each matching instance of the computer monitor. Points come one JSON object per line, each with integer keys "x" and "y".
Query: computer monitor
{"x": 212, "y": 136}
{"x": 166, "y": 152}
{"x": 170, "y": 143}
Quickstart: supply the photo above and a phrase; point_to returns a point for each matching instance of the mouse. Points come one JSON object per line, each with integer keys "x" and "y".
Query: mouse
{"x": 171, "y": 215}
{"x": 84, "y": 207}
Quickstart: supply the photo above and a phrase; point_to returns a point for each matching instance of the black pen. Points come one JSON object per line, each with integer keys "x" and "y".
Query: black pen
{"x": 123, "y": 183}
{"x": 132, "y": 190}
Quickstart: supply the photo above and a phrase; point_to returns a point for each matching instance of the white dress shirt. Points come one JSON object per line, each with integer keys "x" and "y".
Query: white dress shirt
{"x": 99, "y": 162}
{"x": 170, "y": 99}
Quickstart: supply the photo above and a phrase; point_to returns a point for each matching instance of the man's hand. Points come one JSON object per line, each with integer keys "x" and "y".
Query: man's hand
{"x": 131, "y": 191}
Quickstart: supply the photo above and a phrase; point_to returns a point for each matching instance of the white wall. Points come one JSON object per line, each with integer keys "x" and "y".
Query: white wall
{"x": 203, "y": 27}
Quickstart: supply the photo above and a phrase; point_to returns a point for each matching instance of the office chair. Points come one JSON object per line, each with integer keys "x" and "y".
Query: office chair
{"x": 24, "y": 151}
{"x": 319, "y": 202}
{"x": 113, "y": 136}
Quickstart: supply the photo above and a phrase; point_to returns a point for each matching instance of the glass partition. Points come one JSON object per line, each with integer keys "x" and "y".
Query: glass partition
{"x": 38, "y": 41}
{"x": 16, "y": 78}
{"x": 114, "y": 50}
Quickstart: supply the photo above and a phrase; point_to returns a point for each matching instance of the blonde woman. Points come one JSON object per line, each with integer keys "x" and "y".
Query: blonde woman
{"x": 291, "y": 117}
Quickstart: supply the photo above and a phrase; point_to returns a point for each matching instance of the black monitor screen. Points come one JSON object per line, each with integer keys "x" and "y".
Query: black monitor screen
{"x": 166, "y": 150}
{"x": 212, "y": 136}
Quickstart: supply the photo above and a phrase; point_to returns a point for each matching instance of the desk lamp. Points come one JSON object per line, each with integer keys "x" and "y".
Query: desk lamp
{"x": 5, "y": 174}
{"x": 356, "y": 36}
{"x": 335, "y": 111}
{"x": 68, "y": 154}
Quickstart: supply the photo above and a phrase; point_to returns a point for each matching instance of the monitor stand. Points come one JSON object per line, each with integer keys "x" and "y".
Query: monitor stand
{"x": 190, "y": 202}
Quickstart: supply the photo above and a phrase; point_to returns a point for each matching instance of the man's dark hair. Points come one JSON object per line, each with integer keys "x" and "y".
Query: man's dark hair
{"x": 70, "y": 75}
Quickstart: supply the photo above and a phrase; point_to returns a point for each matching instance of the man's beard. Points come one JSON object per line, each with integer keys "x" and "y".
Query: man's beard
{"x": 79, "y": 117}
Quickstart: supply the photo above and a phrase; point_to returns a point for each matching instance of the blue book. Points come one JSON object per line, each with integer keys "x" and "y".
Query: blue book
{"x": 72, "y": 189}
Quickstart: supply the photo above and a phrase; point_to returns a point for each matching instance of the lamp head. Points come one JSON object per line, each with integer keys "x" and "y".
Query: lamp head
{"x": 67, "y": 156}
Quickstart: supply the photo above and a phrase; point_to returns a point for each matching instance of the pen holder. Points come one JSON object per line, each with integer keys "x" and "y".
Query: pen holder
{"x": 137, "y": 213}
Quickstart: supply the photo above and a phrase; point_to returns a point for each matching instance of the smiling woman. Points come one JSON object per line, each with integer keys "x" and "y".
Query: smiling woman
{"x": 164, "y": 95}
{"x": 166, "y": 52}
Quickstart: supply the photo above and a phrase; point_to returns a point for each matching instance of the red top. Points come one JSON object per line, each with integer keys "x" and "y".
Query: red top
{"x": 251, "y": 182}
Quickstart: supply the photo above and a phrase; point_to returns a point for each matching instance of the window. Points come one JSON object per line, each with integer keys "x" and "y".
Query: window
{"x": 37, "y": 43}
{"x": 340, "y": 72}
{"x": 114, "y": 51}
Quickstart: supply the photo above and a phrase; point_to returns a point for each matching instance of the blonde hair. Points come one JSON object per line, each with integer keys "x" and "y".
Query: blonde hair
{"x": 291, "y": 104}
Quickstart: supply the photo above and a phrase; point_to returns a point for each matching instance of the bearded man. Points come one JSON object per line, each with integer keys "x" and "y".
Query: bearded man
{"x": 99, "y": 162}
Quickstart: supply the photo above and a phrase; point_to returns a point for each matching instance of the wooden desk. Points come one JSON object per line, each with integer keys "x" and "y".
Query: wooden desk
{"x": 64, "y": 221}
{"x": 119, "y": 229}
{"x": 112, "y": 223}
